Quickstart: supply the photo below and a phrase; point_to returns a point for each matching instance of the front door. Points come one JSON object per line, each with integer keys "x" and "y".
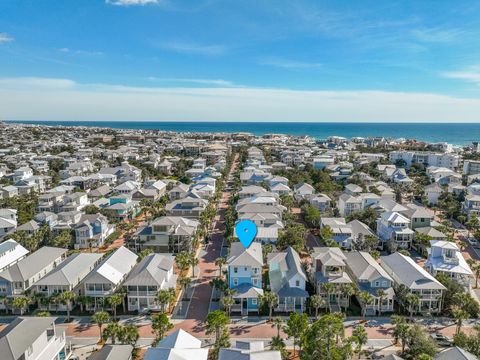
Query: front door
{"x": 244, "y": 306}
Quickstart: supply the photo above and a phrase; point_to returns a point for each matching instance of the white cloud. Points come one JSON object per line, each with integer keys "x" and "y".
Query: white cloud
{"x": 81, "y": 52}
{"x": 35, "y": 83}
{"x": 213, "y": 82}
{"x": 437, "y": 35}
{"x": 472, "y": 76}
{"x": 193, "y": 48}
{"x": 131, "y": 2}
{"x": 5, "y": 38}
{"x": 61, "y": 99}
{"x": 290, "y": 64}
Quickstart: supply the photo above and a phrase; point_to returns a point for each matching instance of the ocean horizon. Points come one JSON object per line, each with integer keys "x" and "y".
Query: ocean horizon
{"x": 453, "y": 133}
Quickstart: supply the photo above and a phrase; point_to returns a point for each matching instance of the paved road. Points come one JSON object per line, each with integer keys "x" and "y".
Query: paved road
{"x": 200, "y": 303}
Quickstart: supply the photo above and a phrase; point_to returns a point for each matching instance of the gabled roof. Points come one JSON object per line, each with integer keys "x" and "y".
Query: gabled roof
{"x": 252, "y": 256}
{"x": 455, "y": 353}
{"x": 176, "y": 354}
{"x": 113, "y": 352}
{"x": 180, "y": 339}
{"x": 113, "y": 268}
{"x": 431, "y": 231}
{"x": 32, "y": 264}
{"x": 21, "y": 333}
{"x": 364, "y": 267}
{"x": 395, "y": 217}
{"x": 405, "y": 271}
{"x": 11, "y": 251}
{"x": 68, "y": 272}
{"x": 330, "y": 256}
{"x": 282, "y": 267}
{"x": 152, "y": 270}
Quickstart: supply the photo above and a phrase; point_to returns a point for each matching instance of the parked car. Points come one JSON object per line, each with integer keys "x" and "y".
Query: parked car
{"x": 474, "y": 242}
{"x": 442, "y": 340}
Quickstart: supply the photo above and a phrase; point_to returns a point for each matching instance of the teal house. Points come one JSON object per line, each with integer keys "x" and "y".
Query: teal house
{"x": 245, "y": 276}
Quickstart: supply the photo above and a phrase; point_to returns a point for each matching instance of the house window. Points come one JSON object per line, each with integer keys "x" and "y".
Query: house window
{"x": 384, "y": 284}
{"x": 255, "y": 281}
{"x": 235, "y": 281}
{"x": 377, "y": 283}
{"x": 254, "y": 301}
{"x": 235, "y": 270}
{"x": 297, "y": 283}
{"x": 245, "y": 268}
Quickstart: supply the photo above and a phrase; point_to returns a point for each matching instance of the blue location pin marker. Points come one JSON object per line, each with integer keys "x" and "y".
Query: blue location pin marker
{"x": 246, "y": 231}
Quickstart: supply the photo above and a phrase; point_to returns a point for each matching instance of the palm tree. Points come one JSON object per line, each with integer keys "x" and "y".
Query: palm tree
{"x": 67, "y": 298}
{"x": 185, "y": 283}
{"x": 219, "y": 285}
{"x": 401, "y": 330}
{"x": 54, "y": 299}
{"x": 277, "y": 323}
{"x": 183, "y": 260}
{"x": 112, "y": 331}
{"x": 366, "y": 298}
{"x": 160, "y": 326}
{"x": 413, "y": 302}
{"x": 271, "y": 300}
{"x": 146, "y": 207}
{"x": 164, "y": 298}
{"x": 193, "y": 262}
{"x": 360, "y": 336}
{"x": 475, "y": 267}
{"x": 317, "y": 302}
{"x": 38, "y": 297}
{"x": 329, "y": 289}
{"x": 220, "y": 262}
{"x": 114, "y": 301}
{"x": 227, "y": 300}
{"x": 348, "y": 290}
{"x": 82, "y": 301}
{"x": 123, "y": 293}
{"x": 100, "y": 318}
{"x": 460, "y": 301}
{"x": 20, "y": 303}
{"x": 278, "y": 344}
{"x": 129, "y": 334}
{"x": 381, "y": 294}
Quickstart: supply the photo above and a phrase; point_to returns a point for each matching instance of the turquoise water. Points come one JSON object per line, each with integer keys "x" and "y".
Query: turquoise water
{"x": 454, "y": 133}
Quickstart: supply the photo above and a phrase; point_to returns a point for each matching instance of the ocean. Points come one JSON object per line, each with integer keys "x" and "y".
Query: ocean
{"x": 453, "y": 133}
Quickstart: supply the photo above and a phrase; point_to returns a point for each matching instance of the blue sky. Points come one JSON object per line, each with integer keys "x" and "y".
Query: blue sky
{"x": 240, "y": 60}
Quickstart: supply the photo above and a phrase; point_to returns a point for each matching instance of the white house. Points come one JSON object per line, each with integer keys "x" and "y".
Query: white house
{"x": 11, "y": 252}
{"x": 444, "y": 257}
{"x": 33, "y": 338}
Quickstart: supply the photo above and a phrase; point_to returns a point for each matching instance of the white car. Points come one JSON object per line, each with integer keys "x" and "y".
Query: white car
{"x": 474, "y": 242}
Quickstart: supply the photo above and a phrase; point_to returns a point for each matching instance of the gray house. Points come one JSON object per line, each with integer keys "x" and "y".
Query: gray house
{"x": 25, "y": 273}
{"x": 404, "y": 271}
{"x": 108, "y": 276}
{"x": 287, "y": 280}
{"x": 371, "y": 277}
{"x": 153, "y": 273}
{"x": 67, "y": 277}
